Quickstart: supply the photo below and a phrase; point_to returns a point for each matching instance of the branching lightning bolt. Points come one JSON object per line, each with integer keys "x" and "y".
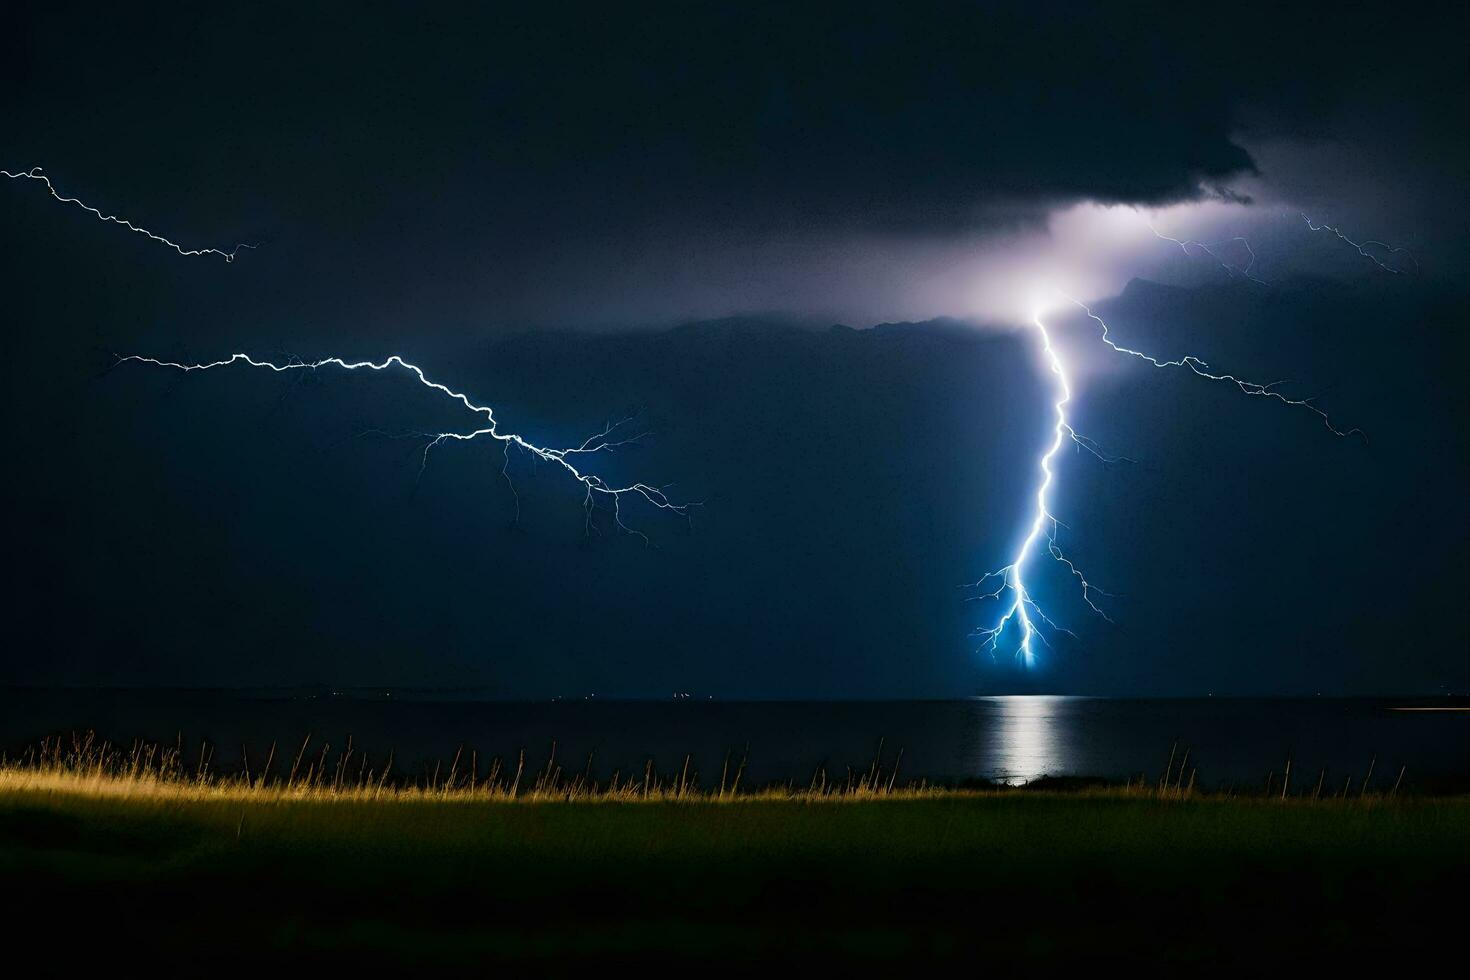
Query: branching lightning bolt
{"x": 35, "y": 173}
{"x": 1202, "y": 369}
{"x": 1185, "y": 244}
{"x": 1006, "y": 583}
{"x": 1362, "y": 247}
{"x": 1022, "y": 609}
{"x": 612, "y": 437}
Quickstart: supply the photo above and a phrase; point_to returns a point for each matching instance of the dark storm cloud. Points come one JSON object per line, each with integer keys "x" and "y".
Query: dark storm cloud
{"x": 578, "y": 164}
{"x": 853, "y": 114}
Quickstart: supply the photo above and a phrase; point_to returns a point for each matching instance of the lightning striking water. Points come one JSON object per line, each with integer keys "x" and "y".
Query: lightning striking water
{"x": 35, "y": 173}
{"x": 596, "y": 488}
{"x": 1022, "y": 608}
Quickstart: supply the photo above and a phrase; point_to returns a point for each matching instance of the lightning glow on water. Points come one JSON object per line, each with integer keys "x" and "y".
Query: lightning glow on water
{"x": 35, "y": 173}
{"x": 610, "y": 439}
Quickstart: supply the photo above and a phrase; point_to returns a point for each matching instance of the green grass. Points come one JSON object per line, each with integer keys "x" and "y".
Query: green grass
{"x": 1017, "y": 879}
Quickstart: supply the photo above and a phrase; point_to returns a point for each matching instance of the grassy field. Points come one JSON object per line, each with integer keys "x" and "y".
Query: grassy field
{"x": 187, "y": 872}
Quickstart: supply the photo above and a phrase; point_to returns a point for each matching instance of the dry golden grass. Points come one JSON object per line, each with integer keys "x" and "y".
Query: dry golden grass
{"x": 318, "y": 857}
{"x": 84, "y": 765}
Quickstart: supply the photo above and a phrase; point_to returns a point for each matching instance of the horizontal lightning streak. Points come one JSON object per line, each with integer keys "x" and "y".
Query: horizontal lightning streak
{"x": 1209, "y": 249}
{"x": 605, "y": 441}
{"x": 35, "y": 173}
{"x": 1362, "y": 247}
{"x": 1202, "y": 368}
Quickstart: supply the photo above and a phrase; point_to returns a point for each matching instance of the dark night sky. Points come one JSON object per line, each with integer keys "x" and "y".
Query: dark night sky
{"x": 579, "y": 212}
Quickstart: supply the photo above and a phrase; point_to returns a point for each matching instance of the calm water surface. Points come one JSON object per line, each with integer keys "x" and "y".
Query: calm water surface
{"x": 1013, "y": 739}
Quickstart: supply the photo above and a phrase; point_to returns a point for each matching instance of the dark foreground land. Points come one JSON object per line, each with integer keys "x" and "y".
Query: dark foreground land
{"x": 1003, "y": 882}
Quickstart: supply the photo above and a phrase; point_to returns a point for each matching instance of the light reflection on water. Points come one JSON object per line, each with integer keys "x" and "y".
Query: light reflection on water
{"x": 1025, "y": 738}
{"x": 1015, "y": 739}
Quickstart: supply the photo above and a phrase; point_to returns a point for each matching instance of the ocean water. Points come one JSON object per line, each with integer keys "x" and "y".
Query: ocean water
{"x": 1011, "y": 739}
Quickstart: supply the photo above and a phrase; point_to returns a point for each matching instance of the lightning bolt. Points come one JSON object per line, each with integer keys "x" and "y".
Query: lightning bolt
{"x": 1023, "y": 608}
{"x": 610, "y": 439}
{"x": 1009, "y": 581}
{"x": 1202, "y": 369}
{"x": 35, "y": 173}
{"x": 1208, "y": 248}
{"x": 1363, "y": 246}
